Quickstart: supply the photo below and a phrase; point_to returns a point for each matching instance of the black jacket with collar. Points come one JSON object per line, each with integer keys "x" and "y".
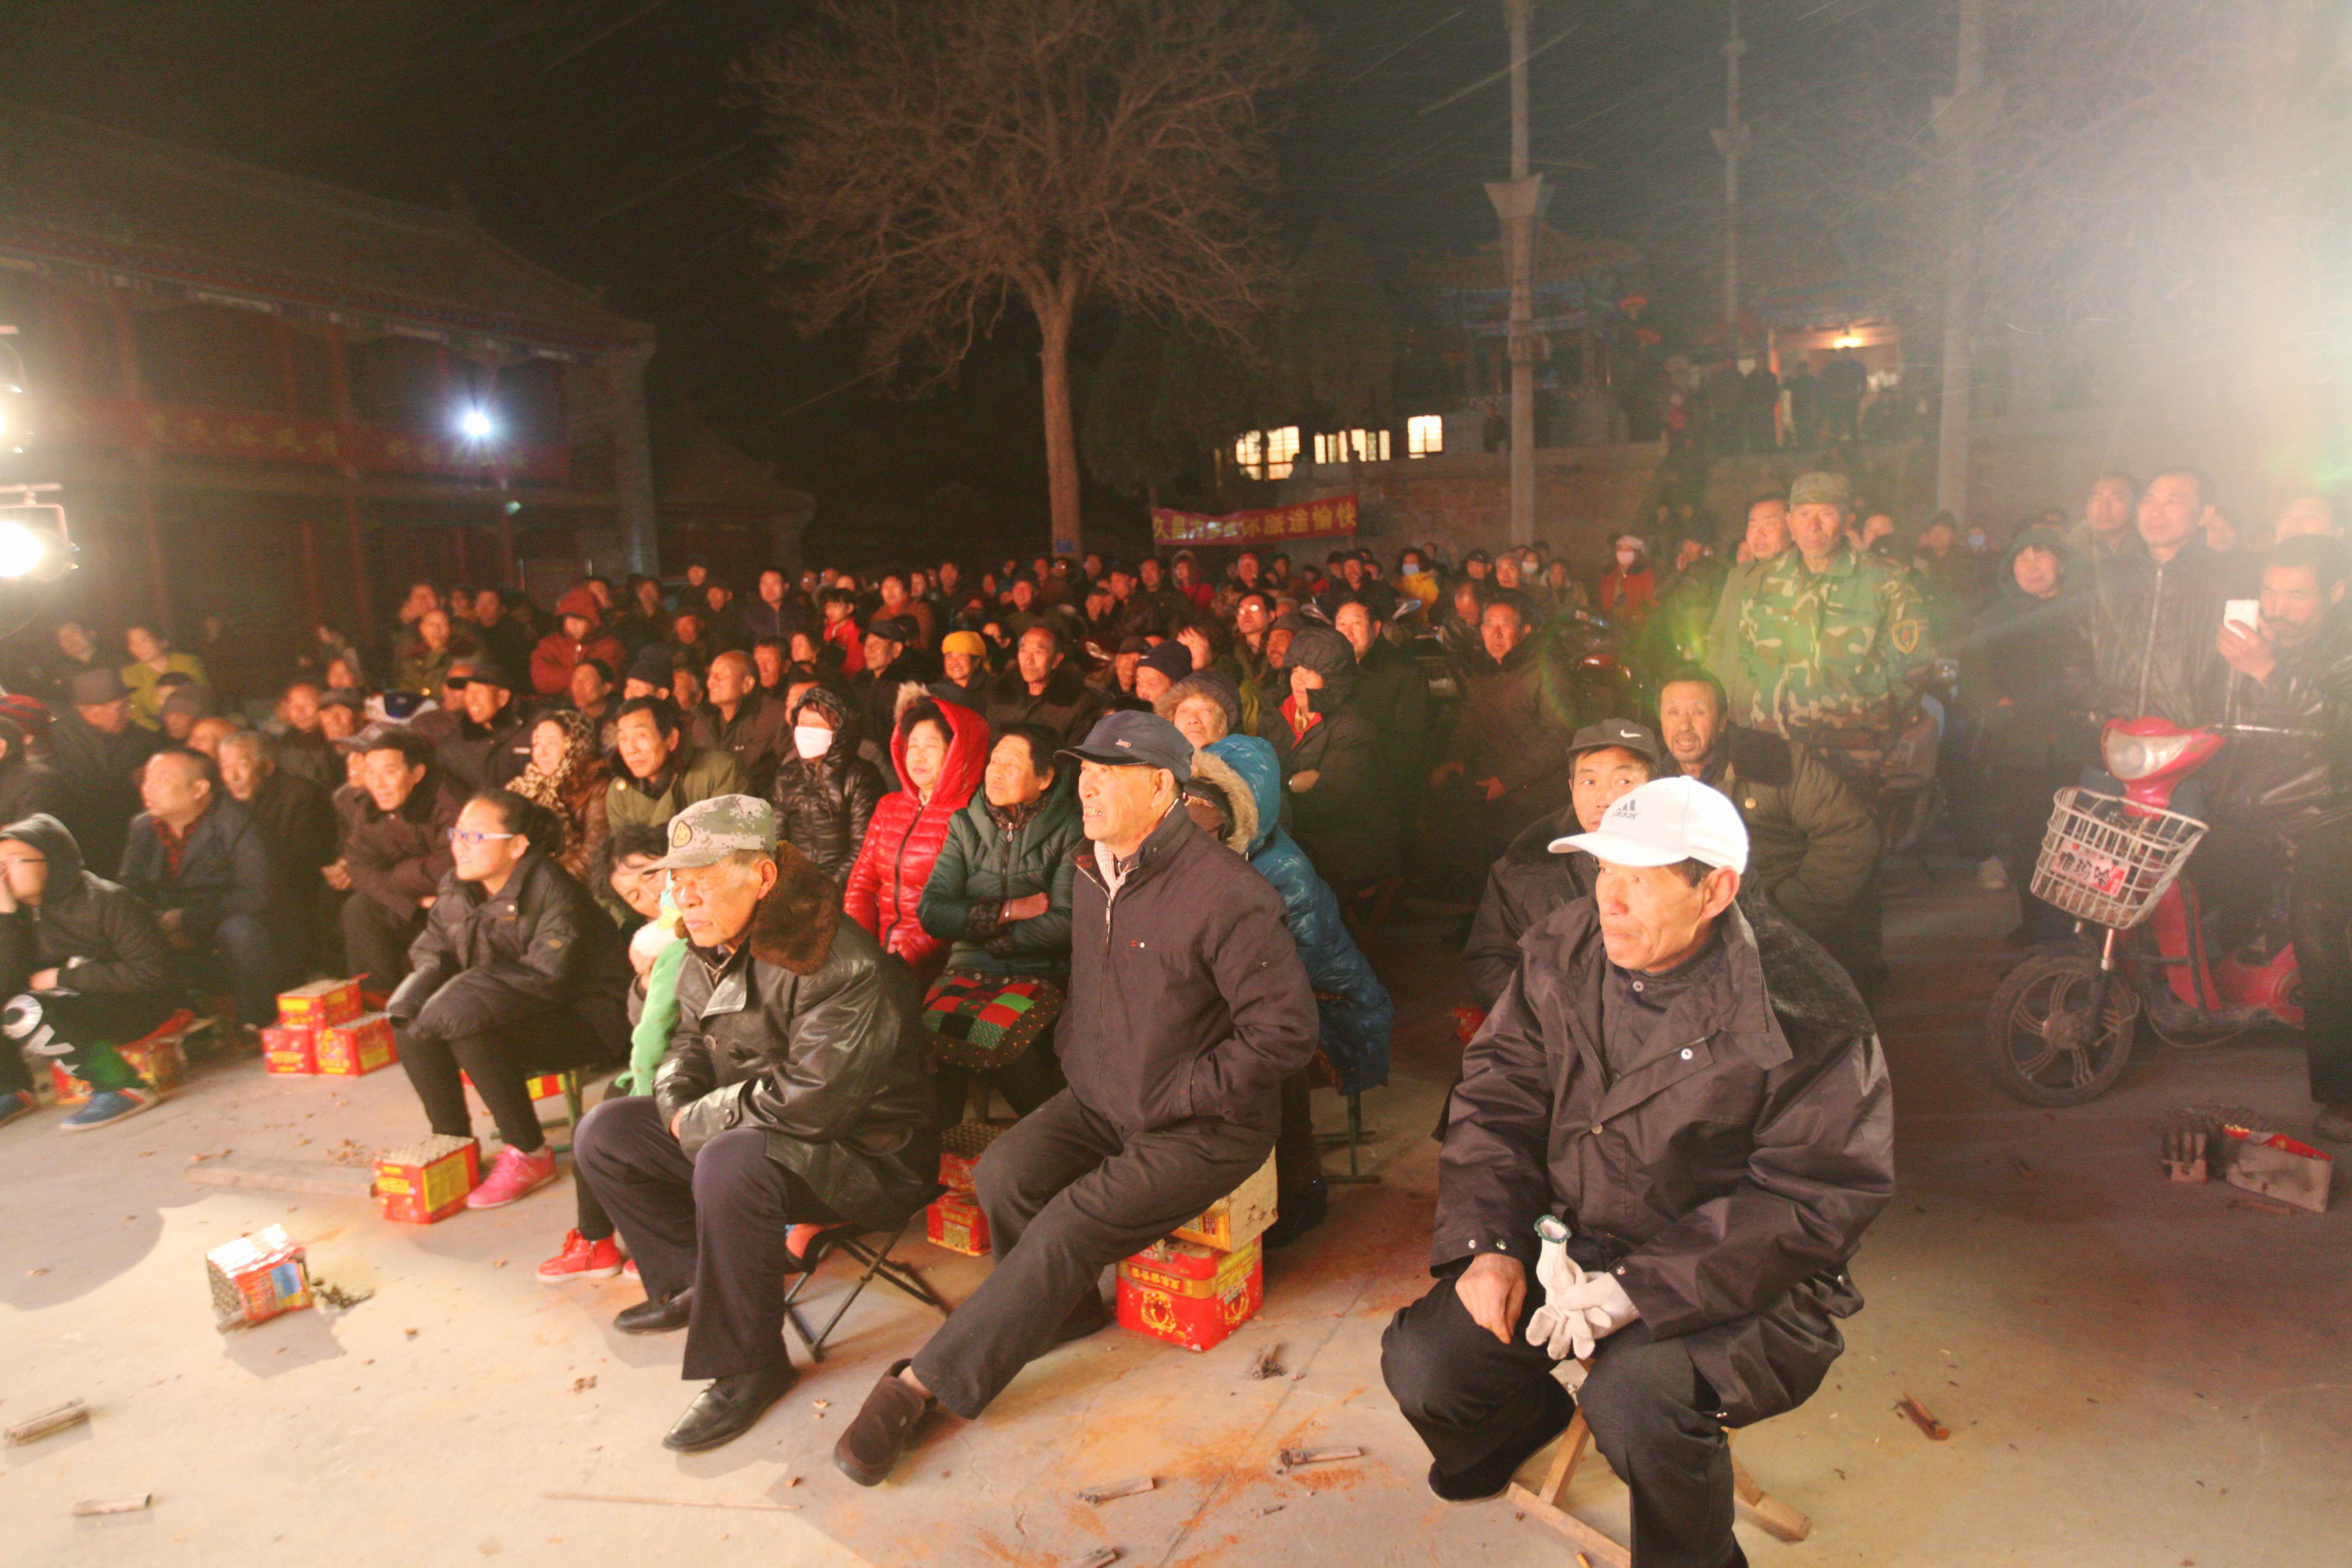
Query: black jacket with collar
{"x": 1725, "y": 1178}
{"x": 2297, "y": 782}
{"x": 809, "y": 1031}
{"x": 1187, "y": 995}
{"x": 539, "y": 945}
{"x": 2152, "y": 631}
{"x": 225, "y": 870}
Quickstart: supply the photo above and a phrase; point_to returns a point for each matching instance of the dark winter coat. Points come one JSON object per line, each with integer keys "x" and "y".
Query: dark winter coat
{"x": 1515, "y": 726}
{"x": 806, "y": 1031}
{"x": 398, "y": 858}
{"x": 756, "y": 738}
{"x": 101, "y": 795}
{"x": 1352, "y": 1008}
{"x": 2301, "y": 782}
{"x": 296, "y": 820}
{"x": 225, "y": 870}
{"x": 823, "y": 807}
{"x": 1187, "y": 995}
{"x": 539, "y": 946}
{"x": 102, "y": 938}
{"x": 1068, "y": 707}
{"x": 1347, "y": 822}
{"x": 2152, "y": 629}
{"x": 1526, "y": 884}
{"x": 992, "y": 856}
{"x": 884, "y": 889}
{"x": 1391, "y": 691}
{"x": 487, "y": 756}
{"x": 2023, "y": 658}
{"x": 1725, "y": 1178}
{"x": 29, "y": 785}
{"x": 1813, "y": 844}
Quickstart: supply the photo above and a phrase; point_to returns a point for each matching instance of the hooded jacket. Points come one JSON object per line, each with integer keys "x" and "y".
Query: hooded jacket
{"x": 1725, "y": 1176}
{"x": 539, "y": 945}
{"x": 993, "y": 856}
{"x": 823, "y": 806}
{"x": 884, "y": 889}
{"x": 1353, "y": 1009}
{"x": 1347, "y": 822}
{"x": 555, "y": 658}
{"x": 1187, "y": 995}
{"x": 398, "y": 858}
{"x": 101, "y": 938}
{"x": 2027, "y": 655}
{"x": 806, "y": 1031}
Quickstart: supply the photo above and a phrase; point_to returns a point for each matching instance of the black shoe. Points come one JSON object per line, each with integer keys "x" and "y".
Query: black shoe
{"x": 729, "y": 1408}
{"x": 1492, "y": 1477}
{"x": 652, "y": 1316}
{"x": 870, "y": 1451}
{"x": 1298, "y": 1210}
{"x": 1089, "y": 1317}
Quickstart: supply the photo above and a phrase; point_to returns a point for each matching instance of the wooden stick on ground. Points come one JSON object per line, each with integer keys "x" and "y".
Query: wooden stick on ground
{"x": 673, "y": 1501}
{"x": 1919, "y": 1417}
{"x": 33, "y": 1428}
{"x": 139, "y": 1504}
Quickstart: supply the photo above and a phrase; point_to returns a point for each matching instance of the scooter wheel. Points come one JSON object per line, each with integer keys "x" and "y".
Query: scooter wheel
{"x": 2041, "y": 1043}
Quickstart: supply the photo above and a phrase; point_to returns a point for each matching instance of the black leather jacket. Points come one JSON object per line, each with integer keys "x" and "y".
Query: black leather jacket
{"x": 2295, "y": 782}
{"x": 808, "y": 1031}
{"x": 2152, "y": 630}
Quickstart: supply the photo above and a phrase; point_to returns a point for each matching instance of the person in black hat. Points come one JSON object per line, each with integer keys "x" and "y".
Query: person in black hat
{"x": 490, "y": 745}
{"x": 1344, "y": 811}
{"x": 98, "y": 749}
{"x": 892, "y": 659}
{"x": 1181, "y": 1024}
{"x": 1528, "y": 881}
{"x": 1160, "y": 668}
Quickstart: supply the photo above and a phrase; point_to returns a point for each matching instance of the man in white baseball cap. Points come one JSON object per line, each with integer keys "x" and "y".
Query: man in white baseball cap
{"x": 1697, "y": 1111}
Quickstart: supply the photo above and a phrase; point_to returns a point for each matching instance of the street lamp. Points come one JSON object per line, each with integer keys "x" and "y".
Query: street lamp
{"x": 476, "y": 425}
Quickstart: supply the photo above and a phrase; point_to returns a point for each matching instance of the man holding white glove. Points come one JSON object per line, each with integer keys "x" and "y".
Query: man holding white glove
{"x": 1704, "y": 1098}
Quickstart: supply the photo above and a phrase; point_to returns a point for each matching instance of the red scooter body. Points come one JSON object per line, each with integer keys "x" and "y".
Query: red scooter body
{"x": 2159, "y": 755}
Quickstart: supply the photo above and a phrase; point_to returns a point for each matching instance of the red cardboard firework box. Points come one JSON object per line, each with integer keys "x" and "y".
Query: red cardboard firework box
{"x": 1242, "y": 1215}
{"x": 256, "y": 1278}
{"x": 320, "y": 1002}
{"x": 361, "y": 1046}
{"x": 290, "y": 1048}
{"x": 157, "y": 1058}
{"x": 955, "y": 1222}
{"x": 429, "y": 1180}
{"x": 961, "y": 1147}
{"x": 1190, "y": 1295}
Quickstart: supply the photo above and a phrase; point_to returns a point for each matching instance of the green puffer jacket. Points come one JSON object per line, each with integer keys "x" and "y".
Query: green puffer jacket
{"x": 989, "y": 858}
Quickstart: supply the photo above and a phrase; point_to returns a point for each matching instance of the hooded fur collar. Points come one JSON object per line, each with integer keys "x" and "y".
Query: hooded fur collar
{"x": 792, "y": 928}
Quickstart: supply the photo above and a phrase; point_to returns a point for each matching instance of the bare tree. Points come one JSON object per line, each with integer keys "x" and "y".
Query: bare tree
{"x": 941, "y": 159}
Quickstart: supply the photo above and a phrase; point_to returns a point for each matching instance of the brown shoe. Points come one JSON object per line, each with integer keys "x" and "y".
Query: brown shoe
{"x": 871, "y": 1448}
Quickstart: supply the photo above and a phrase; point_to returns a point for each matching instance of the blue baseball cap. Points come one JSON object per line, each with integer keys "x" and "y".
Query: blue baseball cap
{"x": 1136, "y": 741}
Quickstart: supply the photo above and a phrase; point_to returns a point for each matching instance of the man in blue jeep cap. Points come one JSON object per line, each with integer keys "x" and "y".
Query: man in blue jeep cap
{"x": 1188, "y": 1008}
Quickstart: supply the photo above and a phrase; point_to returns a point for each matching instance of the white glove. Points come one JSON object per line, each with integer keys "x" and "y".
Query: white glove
{"x": 1596, "y": 1307}
{"x": 1553, "y": 1325}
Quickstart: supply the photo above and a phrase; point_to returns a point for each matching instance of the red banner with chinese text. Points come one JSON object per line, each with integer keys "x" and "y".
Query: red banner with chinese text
{"x": 1303, "y": 519}
{"x": 275, "y": 438}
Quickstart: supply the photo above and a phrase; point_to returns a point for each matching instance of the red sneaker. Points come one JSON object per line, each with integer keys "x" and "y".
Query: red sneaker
{"x": 630, "y": 1268}
{"x": 515, "y": 1174}
{"x": 582, "y": 1260}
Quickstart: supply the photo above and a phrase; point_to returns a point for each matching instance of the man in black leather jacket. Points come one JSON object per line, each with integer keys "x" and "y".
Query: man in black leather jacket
{"x": 793, "y": 1097}
{"x": 2153, "y": 611}
{"x": 2296, "y": 674}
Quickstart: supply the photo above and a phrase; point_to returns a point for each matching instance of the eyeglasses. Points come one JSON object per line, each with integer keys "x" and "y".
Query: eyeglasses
{"x": 473, "y": 840}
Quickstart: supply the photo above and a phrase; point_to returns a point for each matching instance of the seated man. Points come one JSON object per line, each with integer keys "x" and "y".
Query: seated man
{"x": 518, "y": 973}
{"x": 1505, "y": 763}
{"x": 489, "y": 746}
{"x": 1182, "y": 1022}
{"x": 1605, "y": 761}
{"x": 794, "y": 1095}
{"x": 200, "y": 862}
{"x": 1814, "y": 845}
{"x": 660, "y": 774}
{"x": 84, "y": 967}
{"x": 1704, "y": 1103}
{"x": 27, "y": 784}
{"x": 296, "y": 820}
{"x": 396, "y": 828}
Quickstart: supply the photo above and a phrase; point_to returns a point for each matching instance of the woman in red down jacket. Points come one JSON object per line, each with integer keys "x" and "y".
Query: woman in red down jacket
{"x": 941, "y": 752}
{"x": 579, "y": 635}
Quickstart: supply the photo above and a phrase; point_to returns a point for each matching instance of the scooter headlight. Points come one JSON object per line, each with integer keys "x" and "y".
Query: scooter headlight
{"x": 2130, "y": 757}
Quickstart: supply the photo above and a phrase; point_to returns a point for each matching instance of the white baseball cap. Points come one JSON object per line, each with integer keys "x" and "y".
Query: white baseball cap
{"x": 1665, "y": 823}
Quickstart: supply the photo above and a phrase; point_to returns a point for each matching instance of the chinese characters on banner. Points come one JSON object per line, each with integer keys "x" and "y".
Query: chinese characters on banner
{"x": 1304, "y": 520}
{"x": 236, "y": 433}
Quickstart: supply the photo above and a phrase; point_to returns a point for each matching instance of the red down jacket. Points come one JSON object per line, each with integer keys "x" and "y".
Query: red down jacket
{"x": 552, "y": 661}
{"x": 884, "y": 893}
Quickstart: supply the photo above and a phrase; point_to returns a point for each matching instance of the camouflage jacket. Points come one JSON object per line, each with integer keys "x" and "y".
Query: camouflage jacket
{"x": 1835, "y": 657}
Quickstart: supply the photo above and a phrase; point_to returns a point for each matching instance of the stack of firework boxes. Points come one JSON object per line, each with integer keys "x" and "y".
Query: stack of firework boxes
{"x": 320, "y": 1029}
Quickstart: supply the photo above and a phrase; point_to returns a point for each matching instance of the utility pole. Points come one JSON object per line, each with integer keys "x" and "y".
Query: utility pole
{"x": 1520, "y": 203}
{"x": 1731, "y": 141}
{"x": 1962, "y": 121}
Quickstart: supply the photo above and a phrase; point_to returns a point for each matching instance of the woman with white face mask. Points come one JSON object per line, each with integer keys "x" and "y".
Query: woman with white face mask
{"x": 824, "y": 793}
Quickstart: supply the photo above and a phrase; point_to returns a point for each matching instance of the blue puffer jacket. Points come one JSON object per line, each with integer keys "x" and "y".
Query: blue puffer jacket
{"x": 1355, "y": 1009}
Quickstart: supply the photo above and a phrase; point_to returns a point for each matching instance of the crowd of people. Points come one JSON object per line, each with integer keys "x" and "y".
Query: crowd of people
{"x": 818, "y": 867}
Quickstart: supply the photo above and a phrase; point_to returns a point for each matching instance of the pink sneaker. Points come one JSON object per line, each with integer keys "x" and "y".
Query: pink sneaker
{"x": 514, "y": 1174}
{"x": 582, "y": 1260}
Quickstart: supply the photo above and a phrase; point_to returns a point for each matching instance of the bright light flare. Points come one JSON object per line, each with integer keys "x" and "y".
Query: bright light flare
{"x": 474, "y": 424}
{"x": 21, "y": 549}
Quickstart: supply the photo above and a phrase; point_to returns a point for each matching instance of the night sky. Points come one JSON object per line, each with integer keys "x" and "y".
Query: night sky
{"x": 603, "y": 138}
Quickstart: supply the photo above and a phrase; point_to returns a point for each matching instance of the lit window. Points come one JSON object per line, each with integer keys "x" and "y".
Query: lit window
{"x": 1424, "y": 434}
{"x": 1267, "y": 454}
{"x": 1363, "y": 446}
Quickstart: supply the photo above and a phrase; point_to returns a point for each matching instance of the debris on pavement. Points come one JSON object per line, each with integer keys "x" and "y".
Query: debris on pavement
{"x": 1103, "y": 1494}
{"x": 97, "y": 1506}
{"x": 582, "y": 1385}
{"x": 1920, "y": 1416}
{"x": 49, "y": 1423}
{"x": 1267, "y": 1364}
{"x": 1101, "y": 1557}
{"x": 1291, "y": 1459}
{"x": 335, "y": 1296}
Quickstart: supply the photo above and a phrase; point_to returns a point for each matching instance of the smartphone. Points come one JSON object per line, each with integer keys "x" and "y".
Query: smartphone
{"x": 2246, "y": 612}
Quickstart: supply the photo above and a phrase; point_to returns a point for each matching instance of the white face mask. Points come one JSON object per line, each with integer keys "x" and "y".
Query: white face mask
{"x": 1626, "y": 558}
{"x": 812, "y": 740}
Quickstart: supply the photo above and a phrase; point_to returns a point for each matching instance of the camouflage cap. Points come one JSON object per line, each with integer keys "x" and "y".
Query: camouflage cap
{"x": 1818, "y": 488}
{"x": 710, "y": 830}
